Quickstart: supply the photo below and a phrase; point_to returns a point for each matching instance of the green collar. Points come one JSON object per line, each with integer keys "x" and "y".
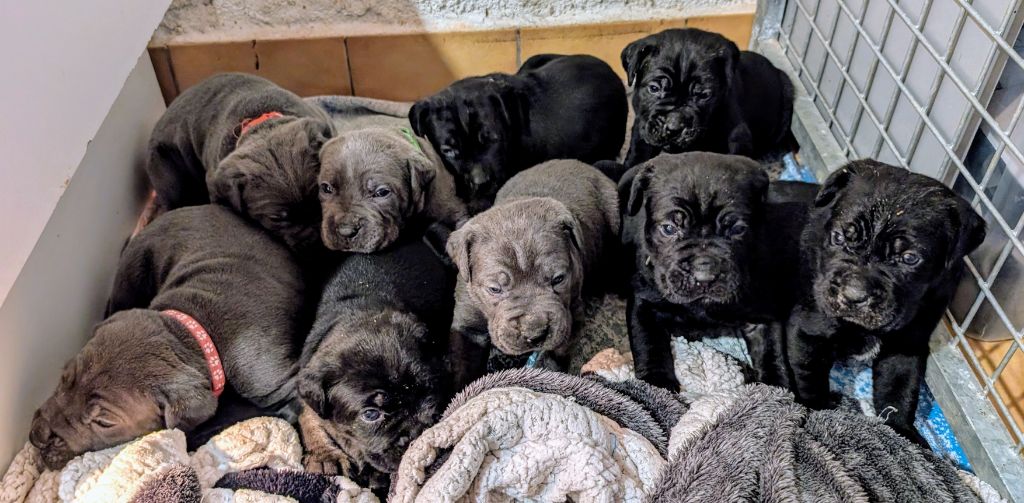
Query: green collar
{"x": 411, "y": 137}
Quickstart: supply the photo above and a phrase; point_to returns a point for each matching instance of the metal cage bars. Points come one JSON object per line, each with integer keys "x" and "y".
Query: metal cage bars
{"x": 771, "y": 35}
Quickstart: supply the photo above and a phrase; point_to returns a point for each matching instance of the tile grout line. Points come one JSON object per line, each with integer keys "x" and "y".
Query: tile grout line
{"x": 519, "y": 47}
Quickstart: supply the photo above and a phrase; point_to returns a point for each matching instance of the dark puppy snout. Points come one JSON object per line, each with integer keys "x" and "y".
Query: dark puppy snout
{"x": 855, "y": 291}
{"x": 40, "y": 434}
{"x": 349, "y": 230}
{"x": 706, "y": 269}
{"x": 674, "y": 123}
{"x": 538, "y": 336}
{"x": 479, "y": 177}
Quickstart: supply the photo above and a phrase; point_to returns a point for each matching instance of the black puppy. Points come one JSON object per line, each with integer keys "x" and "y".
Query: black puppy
{"x": 882, "y": 255}
{"x": 148, "y": 366}
{"x": 710, "y": 253}
{"x": 696, "y": 91}
{"x": 242, "y": 141}
{"x": 373, "y": 371}
{"x": 490, "y": 128}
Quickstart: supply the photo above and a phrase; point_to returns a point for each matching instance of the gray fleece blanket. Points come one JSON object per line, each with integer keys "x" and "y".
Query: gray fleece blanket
{"x": 757, "y": 444}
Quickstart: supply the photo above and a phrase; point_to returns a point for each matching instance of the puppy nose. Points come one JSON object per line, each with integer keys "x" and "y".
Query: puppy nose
{"x": 479, "y": 177}
{"x": 404, "y": 441}
{"x": 40, "y": 434}
{"x": 854, "y": 292}
{"x": 674, "y": 123}
{"x": 348, "y": 231}
{"x": 705, "y": 269}
{"x": 539, "y": 336}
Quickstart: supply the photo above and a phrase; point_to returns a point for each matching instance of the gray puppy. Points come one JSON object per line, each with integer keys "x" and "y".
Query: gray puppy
{"x": 242, "y": 141}
{"x": 524, "y": 263}
{"x": 144, "y": 369}
{"x": 374, "y": 181}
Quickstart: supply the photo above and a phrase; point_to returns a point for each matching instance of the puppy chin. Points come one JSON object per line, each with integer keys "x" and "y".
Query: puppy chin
{"x": 364, "y": 242}
{"x": 681, "y": 288}
{"x": 56, "y": 459}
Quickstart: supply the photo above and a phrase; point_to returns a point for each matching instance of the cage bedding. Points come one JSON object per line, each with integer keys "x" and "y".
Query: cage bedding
{"x": 628, "y": 440}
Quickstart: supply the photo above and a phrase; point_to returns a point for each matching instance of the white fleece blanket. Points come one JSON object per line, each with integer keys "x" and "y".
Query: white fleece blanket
{"x": 116, "y": 474}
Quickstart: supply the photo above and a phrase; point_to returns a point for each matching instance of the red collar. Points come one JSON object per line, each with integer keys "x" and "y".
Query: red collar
{"x": 248, "y": 124}
{"x": 213, "y": 363}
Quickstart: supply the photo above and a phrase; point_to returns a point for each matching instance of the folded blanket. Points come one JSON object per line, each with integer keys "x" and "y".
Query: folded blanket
{"x": 757, "y": 444}
{"x": 535, "y": 434}
{"x": 350, "y": 113}
{"x": 157, "y": 468}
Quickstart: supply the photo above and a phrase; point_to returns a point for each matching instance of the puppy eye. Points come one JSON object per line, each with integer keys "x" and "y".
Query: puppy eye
{"x": 449, "y": 152}
{"x": 326, "y": 188}
{"x": 910, "y": 258}
{"x": 737, "y": 229}
{"x": 654, "y": 88}
{"x": 103, "y": 423}
{"x": 371, "y": 415}
{"x": 668, "y": 230}
{"x": 382, "y": 192}
{"x": 494, "y": 289}
{"x": 558, "y": 279}
{"x": 838, "y": 238}
{"x": 278, "y": 217}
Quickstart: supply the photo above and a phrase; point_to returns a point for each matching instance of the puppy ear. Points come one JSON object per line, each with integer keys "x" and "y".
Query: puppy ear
{"x": 512, "y": 108}
{"x": 459, "y": 245}
{"x": 418, "y": 118}
{"x": 759, "y": 182}
{"x": 227, "y": 185}
{"x": 421, "y": 174}
{"x": 971, "y": 231}
{"x": 834, "y": 184}
{"x": 638, "y": 189}
{"x": 310, "y": 388}
{"x": 634, "y": 56}
{"x": 185, "y": 405}
{"x": 571, "y": 228}
{"x": 731, "y": 62}
{"x": 319, "y": 132}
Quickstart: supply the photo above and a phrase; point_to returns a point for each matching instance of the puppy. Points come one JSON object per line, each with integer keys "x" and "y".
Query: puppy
{"x": 242, "y": 141}
{"x": 882, "y": 255}
{"x": 490, "y": 128}
{"x": 148, "y": 367}
{"x": 374, "y": 181}
{"x": 373, "y": 373}
{"x": 523, "y": 264}
{"x": 710, "y": 253}
{"x": 696, "y": 91}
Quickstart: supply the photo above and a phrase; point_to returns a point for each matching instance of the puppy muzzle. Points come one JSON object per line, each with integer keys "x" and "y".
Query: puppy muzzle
{"x": 673, "y": 130}
{"x": 702, "y": 278}
{"x": 52, "y": 447}
{"x": 363, "y": 234}
{"x": 857, "y": 298}
{"x": 531, "y": 328}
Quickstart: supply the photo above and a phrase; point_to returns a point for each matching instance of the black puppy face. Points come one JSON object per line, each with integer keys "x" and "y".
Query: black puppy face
{"x": 471, "y": 124}
{"x": 680, "y": 78}
{"x": 700, "y": 209}
{"x": 124, "y": 383}
{"x": 889, "y": 235}
{"x": 271, "y": 177}
{"x": 374, "y": 382}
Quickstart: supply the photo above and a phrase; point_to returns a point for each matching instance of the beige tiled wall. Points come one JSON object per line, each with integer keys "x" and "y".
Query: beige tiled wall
{"x": 409, "y": 66}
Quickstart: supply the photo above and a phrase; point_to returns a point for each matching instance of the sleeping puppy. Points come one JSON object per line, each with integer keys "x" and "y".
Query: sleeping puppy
{"x": 373, "y": 372}
{"x": 148, "y": 367}
{"x": 490, "y": 128}
{"x": 242, "y": 141}
{"x": 524, "y": 264}
{"x": 374, "y": 181}
{"x": 696, "y": 91}
{"x": 711, "y": 253}
{"x": 882, "y": 255}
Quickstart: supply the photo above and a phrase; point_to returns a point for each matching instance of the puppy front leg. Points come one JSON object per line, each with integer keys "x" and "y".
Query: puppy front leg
{"x": 810, "y": 355}
{"x": 741, "y": 141}
{"x": 469, "y": 351}
{"x": 650, "y": 344}
{"x": 897, "y": 382}
{"x": 766, "y": 345}
{"x": 321, "y": 454}
{"x": 639, "y": 150}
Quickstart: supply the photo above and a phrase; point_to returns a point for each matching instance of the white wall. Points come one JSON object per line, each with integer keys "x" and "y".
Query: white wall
{"x": 209, "y": 20}
{"x": 78, "y": 102}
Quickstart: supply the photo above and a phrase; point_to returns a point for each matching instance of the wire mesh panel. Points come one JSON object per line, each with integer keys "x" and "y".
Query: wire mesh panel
{"x": 935, "y": 86}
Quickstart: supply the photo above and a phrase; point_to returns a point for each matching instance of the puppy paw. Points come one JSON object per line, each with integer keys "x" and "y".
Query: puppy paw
{"x": 326, "y": 463}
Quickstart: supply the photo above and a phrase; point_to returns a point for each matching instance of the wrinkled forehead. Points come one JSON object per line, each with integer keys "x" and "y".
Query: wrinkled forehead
{"x": 519, "y": 255}
{"x": 701, "y": 189}
{"x": 357, "y": 161}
